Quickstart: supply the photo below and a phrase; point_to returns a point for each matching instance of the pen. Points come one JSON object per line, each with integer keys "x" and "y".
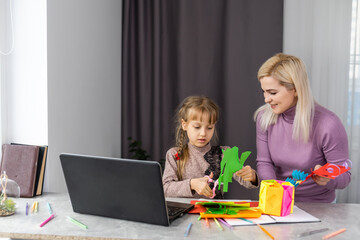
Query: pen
{"x": 334, "y": 233}
{"x": 225, "y": 223}
{"x": 47, "y": 220}
{"x": 49, "y": 207}
{"x": 218, "y": 224}
{"x": 304, "y": 234}
{"x": 186, "y": 233}
{"x": 77, "y": 222}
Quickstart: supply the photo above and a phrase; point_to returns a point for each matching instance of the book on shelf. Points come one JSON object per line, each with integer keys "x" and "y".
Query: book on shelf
{"x": 25, "y": 164}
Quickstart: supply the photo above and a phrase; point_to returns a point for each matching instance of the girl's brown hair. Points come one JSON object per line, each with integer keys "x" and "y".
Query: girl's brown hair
{"x": 192, "y": 108}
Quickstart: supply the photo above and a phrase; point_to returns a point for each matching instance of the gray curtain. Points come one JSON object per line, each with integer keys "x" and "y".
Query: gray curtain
{"x": 176, "y": 48}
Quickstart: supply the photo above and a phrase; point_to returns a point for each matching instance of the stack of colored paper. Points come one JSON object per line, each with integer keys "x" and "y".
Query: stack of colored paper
{"x": 214, "y": 209}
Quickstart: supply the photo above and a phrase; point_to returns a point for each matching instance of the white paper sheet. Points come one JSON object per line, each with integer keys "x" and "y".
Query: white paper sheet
{"x": 297, "y": 216}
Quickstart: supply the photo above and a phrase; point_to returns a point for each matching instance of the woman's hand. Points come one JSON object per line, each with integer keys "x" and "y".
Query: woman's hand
{"x": 247, "y": 173}
{"x": 322, "y": 181}
{"x": 201, "y": 186}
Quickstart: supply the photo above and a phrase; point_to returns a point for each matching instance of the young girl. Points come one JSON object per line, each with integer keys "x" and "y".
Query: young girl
{"x": 193, "y": 165}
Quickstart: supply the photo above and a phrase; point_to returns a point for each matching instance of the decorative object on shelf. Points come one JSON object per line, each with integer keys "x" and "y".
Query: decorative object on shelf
{"x": 8, "y": 188}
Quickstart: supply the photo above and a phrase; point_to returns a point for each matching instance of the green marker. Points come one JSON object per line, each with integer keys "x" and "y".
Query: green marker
{"x": 77, "y": 223}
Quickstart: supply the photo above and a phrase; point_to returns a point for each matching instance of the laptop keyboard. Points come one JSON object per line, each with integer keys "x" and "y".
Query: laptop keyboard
{"x": 173, "y": 211}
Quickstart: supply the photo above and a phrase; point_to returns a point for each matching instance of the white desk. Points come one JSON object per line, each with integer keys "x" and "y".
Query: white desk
{"x": 20, "y": 226}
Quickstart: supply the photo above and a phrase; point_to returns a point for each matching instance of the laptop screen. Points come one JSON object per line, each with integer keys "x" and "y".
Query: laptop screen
{"x": 118, "y": 188}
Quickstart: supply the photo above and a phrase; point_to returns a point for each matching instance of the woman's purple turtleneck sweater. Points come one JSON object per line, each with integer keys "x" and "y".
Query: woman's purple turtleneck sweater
{"x": 278, "y": 154}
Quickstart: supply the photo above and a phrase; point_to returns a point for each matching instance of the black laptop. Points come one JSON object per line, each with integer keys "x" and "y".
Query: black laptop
{"x": 119, "y": 188}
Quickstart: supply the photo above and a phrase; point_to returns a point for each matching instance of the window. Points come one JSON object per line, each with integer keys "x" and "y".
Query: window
{"x": 354, "y": 83}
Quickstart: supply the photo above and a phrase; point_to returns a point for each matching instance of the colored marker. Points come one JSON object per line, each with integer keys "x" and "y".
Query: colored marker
{"x": 77, "y": 222}
{"x": 207, "y": 222}
{"x": 186, "y": 233}
{"x": 49, "y": 207}
{"x": 225, "y": 223}
{"x": 47, "y": 220}
{"x": 304, "y": 234}
{"x": 33, "y": 207}
{"x": 261, "y": 227}
{"x": 334, "y": 233}
{"x": 247, "y": 220}
{"x": 218, "y": 224}
{"x": 265, "y": 231}
{"x": 27, "y": 209}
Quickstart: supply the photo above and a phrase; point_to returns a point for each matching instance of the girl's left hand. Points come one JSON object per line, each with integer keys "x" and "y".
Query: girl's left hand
{"x": 247, "y": 173}
{"x": 322, "y": 181}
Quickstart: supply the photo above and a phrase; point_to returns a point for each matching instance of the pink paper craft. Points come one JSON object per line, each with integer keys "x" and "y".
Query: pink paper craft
{"x": 288, "y": 199}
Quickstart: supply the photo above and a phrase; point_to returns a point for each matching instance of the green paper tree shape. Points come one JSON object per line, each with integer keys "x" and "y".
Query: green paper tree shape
{"x": 231, "y": 164}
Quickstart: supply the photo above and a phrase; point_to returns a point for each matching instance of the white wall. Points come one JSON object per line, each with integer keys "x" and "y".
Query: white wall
{"x": 319, "y": 33}
{"x": 84, "y": 73}
{"x": 24, "y": 83}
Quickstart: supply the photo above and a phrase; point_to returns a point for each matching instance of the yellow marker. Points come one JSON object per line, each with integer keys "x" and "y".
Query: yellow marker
{"x": 218, "y": 224}
{"x": 36, "y": 206}
{"x": 33, "y": 207}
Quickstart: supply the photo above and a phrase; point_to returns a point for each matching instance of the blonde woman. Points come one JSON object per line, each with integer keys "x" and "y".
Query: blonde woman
{"x": 194, "y": 157}
{"x": 295, "y": 133}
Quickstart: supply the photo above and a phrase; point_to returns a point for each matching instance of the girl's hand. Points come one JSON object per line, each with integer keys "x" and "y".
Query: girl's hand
{"x": 201, "y": 186}
{"x": 322, "y": 181}
{"x": 247, "y": 173}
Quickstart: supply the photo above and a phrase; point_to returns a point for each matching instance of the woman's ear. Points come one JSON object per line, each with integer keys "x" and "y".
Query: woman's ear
{"x": 183, "y": 125}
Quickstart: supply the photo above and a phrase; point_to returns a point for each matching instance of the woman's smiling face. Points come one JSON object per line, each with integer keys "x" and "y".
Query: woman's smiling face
{"x": 275, "y": 94}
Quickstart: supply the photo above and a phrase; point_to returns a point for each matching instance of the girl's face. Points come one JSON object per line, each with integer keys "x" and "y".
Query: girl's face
{"x": 199, "y": 130}
{"x": 275, "y": 94}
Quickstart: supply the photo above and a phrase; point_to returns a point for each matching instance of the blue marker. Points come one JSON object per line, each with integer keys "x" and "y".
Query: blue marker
{"x": 186, "y": 233}
{"x": 50, "y": 210}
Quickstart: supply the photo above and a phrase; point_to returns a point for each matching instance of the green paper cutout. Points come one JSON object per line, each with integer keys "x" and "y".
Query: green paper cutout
{"x": 243, "y": 158}
{"x": 229, "y": 208}
{"x": 231, "y": 164}
{"x": 221, "y": 211}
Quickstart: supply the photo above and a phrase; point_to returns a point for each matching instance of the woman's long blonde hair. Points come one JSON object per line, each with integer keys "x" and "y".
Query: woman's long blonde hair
{"x": 192, "y": 108}
{"x": 291, "y": 73}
